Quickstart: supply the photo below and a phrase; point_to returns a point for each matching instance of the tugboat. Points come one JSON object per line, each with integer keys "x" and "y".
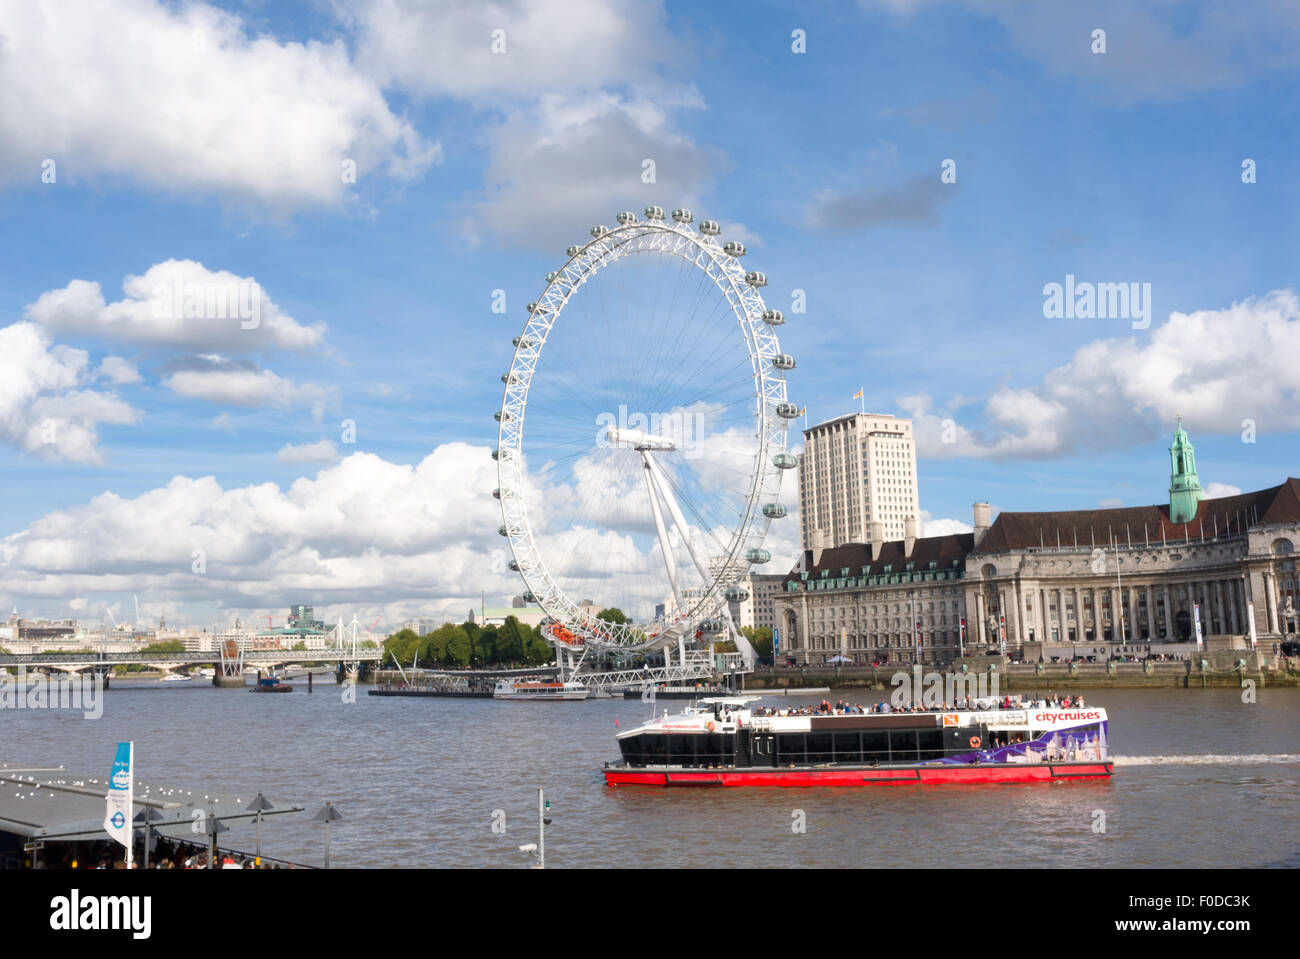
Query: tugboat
{"x": 727, "y": 741}
{"x": 271, "y": 684}
{"x": 539, "y": 689}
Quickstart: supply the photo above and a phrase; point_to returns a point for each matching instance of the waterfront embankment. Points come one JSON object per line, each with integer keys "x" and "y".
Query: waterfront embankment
{"x": 1183, "y": 674}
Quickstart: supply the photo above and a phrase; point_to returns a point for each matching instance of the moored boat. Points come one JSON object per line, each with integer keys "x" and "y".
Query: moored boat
{"x": 539, "y": 689}
{"x": 729, "y": 741}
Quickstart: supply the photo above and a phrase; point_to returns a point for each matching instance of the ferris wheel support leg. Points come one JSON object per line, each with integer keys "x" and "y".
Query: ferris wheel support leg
{"x": 664, "y": 545}
{"x": 656, "y": 472}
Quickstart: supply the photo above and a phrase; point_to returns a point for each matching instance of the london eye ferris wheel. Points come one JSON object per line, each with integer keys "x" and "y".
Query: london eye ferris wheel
{"x": 643, "y": 435}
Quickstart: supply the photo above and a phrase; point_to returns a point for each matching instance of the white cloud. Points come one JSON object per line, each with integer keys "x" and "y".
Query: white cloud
{"x": 322, "y": 452}
{"x": 362, "y": 531}
{"x": 1220, "y": 490}
{"x": 118, "y": 371}
{"x": 447, "y": 48}
{"x": 186, "y": 98}
{"x": 178, "y": 303}
{"x": 1110, "y": 502}
{"x": 941, "y": 527}
{"x": 1217, "y": 368}
{"x": 582, "y": 161}
{"x": 237, "y": 384}
{"x": 42, "y": 408}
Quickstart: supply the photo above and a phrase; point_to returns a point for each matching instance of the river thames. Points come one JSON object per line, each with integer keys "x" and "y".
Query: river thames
{"x": 1201, "y": 780}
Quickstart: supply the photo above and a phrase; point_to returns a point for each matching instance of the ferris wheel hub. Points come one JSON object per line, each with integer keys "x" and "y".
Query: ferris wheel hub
{"x": 639, "y": 439}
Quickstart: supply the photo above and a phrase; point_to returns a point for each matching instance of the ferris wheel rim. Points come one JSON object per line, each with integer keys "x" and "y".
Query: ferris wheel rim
{"x": 609, "y": 246}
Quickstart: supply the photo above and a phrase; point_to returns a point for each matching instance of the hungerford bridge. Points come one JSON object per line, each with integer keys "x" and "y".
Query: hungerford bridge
{"x": 351, "y": 659}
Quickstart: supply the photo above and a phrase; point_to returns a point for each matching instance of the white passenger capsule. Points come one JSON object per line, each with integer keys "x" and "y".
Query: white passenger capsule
{"x": 625, "y": 218}
{"x": 551, "y": 275}
{"x": 598, "y": 231}
{"x": 773, "y": 317}
{"x": 496, "y": 454}
{"x": 501, "y": 531}
{"x": 572, "y": 251}
{"x": 734, "y": 248}
{"x": 519, "y": 341}
{"x": 682, "y": 215}
{"x": 758, "y": 556}
{"x": 710, "y": 227}
{"x": 756, "y": 279}
{"x": 736, "y": 595}
{"x": 774, "y": 510}
{"x": 514, "y": 566}
{"x": 496, "y": 493}
{"x": 788, "y": 411}
{"x": 784, "y": 461}
{"x": 654, "y": 212}
{"x": 783, "y": 361}
{"x": 508, "y": 378}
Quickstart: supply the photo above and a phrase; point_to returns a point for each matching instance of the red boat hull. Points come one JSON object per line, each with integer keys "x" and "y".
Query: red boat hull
{"x": 903, "y": 775}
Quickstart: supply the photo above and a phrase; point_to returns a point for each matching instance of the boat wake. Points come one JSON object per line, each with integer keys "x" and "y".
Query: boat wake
{"x": 1210, "y": 759}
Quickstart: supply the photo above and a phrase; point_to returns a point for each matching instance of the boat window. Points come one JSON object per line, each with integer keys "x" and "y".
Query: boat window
{"x": 875, "y": 746}
{"x": 821, "y": 748}
{"x": 930, "y": 744}
{"x": 902, "y": 745}
{"x": 848, "y": 747}
{"x": 790, "y": 748}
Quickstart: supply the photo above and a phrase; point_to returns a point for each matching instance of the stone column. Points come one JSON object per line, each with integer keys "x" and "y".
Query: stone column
{"x": 1018, "y": 597}
{"x": 1153, "y": 627}
{"x": 1061, "y": 625}
{"x": 1218, "y": 606}
{"x": 1169, "y": 613}
{"x": 1134, "y": 629}
{"x": 980, "y": 628}
{"x": 1078, "y": 616}
{"x": 1270, "y": 591}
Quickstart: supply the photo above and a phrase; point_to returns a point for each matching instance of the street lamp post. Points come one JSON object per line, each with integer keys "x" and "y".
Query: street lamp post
{"x": 327, "y": 815}
{"x": 258, "y": 805}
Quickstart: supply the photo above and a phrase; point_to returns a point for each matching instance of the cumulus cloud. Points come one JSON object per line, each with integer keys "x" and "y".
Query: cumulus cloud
{"x": 43, "y": 407}
{"x": 581, "y": 160}
{"x": 362, "y": 531}
{"x": 177, "y": 303}
{"x": 239, "y": 383}
{"x": 118, "y": 371}
{"x": 1218, "y": 368}
{"x": 321, "y": 452}
{"x": 456, "y": 49}
{"x": 186, "y": 98}
{"x": 1219, "y": 490}
{"x": 929, "y": 526}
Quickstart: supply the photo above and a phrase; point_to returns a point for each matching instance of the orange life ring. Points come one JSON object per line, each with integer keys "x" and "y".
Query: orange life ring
{"x": 975, "y": 742}
{"x": 709, "y": 726}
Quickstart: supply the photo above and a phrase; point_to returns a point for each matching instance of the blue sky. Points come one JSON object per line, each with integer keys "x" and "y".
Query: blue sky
{"x": 218, "y": 142}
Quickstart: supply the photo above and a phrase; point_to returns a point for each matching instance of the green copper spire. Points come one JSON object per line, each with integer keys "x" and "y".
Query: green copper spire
{"x": 1184, "y": 487}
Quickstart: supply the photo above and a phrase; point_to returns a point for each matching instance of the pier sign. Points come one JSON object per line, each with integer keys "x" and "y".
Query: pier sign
{"x": 117, "y": 815}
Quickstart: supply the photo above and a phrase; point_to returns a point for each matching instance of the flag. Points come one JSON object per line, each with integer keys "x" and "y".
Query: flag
{"x": 803, "y": 411}
{"x": 117, "y": 816}
{"x": 858, "y": 395}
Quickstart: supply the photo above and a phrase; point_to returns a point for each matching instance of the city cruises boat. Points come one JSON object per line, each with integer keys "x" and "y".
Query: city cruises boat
{"x": 728, "y": 741}
{"x": 539, "y": 689}
{"x": 174, "y": 678}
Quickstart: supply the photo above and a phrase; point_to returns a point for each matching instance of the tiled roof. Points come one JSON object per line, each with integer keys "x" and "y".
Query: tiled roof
{"x": 941, "y": 550}
{"x": 1139, "y": 524}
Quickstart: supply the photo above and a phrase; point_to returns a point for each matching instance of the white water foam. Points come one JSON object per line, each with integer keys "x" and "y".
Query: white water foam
{"x": 1209, "y": 759}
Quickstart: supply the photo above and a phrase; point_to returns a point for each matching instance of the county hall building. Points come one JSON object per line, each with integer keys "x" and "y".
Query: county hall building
{"x": 1128, "y": 580}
